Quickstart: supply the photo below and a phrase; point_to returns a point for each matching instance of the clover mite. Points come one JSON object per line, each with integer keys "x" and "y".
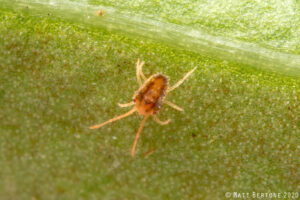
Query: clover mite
{"x": 147, "y": 101}
{"x": 100, "y": 13}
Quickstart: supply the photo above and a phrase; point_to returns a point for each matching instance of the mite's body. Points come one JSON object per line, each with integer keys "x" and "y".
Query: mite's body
{"x": 150, "y": 96}
{"x": 100, "y": 13}
{"x": 148, "y": 99}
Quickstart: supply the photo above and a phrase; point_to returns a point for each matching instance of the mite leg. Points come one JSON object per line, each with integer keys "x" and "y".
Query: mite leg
{"x": 159, "y": 121}
{"x": 123, "y": 105}
{"x": 138, "y": 72}
{"x": 114, "y": 119}
{"x": 137, "y": 135}
{"x": 181, "y": 80}
{"x": 141, "y": 71}
{"x": 172, "y": 105}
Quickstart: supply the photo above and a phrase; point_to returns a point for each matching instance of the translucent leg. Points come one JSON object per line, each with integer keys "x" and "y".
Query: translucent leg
{"x": 141, "y": 71}
{"x": 138, "y": 134}
{"x": 173, "y": 106}
{"x": 114, "y": 119}
{"x": 159, "y": 121}
{"x": 138, "y": 72}
{"x": 181, "y": 80}
{"x": 123, "y": 105}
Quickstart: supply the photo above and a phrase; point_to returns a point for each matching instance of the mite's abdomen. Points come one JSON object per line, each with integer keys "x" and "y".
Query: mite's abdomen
{"x": 150, "y": 96}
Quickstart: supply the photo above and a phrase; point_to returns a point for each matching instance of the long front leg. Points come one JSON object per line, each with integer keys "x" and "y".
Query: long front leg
{"x": 181, "y": 80}
{"x": 141, "y": 71}
{"x": 138, "y": 73}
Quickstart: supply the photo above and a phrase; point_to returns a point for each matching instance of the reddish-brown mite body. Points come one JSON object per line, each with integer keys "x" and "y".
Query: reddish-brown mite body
{"x": 150, "y": 96}
{"x": 148, "y": 99}
{"x": 100, "y": 13}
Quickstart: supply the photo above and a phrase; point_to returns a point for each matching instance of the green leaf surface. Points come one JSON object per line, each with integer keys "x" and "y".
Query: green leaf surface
{"x": 239, "y": 131}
